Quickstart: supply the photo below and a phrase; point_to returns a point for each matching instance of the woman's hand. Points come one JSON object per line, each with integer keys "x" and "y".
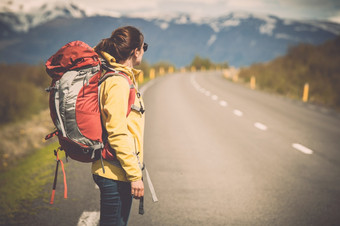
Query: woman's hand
{"x": 137, "y": 189}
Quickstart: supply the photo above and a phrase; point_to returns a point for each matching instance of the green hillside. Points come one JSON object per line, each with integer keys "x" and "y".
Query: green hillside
{"x": 319, "y": 66}
{"x": 22, "y": 91}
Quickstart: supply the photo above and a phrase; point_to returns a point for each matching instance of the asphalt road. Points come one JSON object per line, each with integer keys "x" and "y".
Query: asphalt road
{"x": 221, "y": 154}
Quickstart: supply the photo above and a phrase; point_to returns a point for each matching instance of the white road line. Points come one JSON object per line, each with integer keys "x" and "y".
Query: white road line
{"x": 207, "y": 93}
{"x": 214, "y": 97}
{"x": 223, "y": 103}
{"x": 260, "y": 126}
{"x": 89, "y": 219}
{"x": 238, "y": 112}
{"x": 302, "y": 148}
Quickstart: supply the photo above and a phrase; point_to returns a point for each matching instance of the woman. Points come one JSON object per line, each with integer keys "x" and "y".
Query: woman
{"x": 120, "y": 182}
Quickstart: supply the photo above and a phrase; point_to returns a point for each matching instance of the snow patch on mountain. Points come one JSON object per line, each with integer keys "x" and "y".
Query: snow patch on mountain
{"x": 182, "y": 19}
{"x": 268, "y": 27}
{"x": 162, "y": 24}
{"x": 49, "y": 12}
{"x": 212, "y": 39}
{"x": 18, "y": 22}
{"x": 285, "y": 36}
{"x": 22, "y": 18}
{"x": 326, "y": 26}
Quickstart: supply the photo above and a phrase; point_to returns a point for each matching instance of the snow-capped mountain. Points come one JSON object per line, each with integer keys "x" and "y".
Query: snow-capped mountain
{"x": 22, "y": 21}
{"x": 31, "y": 35}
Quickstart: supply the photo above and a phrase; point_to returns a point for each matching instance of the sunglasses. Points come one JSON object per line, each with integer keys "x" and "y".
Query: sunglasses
{"x": 145, "y": 46}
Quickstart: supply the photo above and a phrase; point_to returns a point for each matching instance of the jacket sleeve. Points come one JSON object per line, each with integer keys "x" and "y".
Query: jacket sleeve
{"x": 115, "y": 96}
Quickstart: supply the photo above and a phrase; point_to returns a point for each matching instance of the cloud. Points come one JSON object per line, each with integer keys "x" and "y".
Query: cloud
{"x": 335, "y": 18}
{"x": 203, "y": 7}
{"x": 247, "y": 4}
{"x": 312, "y": 9}
{"x": 290, "y": 9}
{"x": 329, "y": 4}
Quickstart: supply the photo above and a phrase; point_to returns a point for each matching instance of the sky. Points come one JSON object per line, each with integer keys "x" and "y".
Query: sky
{"x": 289, "y": 9}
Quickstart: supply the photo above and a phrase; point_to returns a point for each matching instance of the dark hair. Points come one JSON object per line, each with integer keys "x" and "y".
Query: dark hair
{"x": 122, "y": 42}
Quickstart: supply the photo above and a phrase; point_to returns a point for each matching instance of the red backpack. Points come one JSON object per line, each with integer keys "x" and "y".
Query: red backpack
{"x": 76, "y": 71}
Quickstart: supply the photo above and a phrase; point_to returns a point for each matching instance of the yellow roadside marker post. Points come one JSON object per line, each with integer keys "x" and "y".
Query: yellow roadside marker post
{"x": 305, "y": 93}
{"x": 252, "y": 82}
{"x": 152, "y": 73}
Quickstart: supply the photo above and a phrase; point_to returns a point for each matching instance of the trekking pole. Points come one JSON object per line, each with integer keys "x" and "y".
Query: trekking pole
{"x": 56, "y": 177}
{"x": 152, "y": 189}
{"x": 55, "y": 180}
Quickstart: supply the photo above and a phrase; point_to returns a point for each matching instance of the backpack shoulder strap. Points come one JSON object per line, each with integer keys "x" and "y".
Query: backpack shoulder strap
{"x": 132, "y": 93}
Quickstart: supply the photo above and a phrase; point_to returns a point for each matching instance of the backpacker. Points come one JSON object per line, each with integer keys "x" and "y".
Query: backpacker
{"x": 76, "y": 72}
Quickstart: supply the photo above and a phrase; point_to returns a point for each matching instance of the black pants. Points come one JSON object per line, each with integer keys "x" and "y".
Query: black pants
{"x": 115, "y": 201}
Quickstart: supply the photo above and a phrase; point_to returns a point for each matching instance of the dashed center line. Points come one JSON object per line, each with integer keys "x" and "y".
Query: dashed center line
{"x": 89, "y": 218}
{"x": 214, "y": 97}
{"x": 260, "y": 126}
{"x": 302, "y": 148}
{"x": 238, "y": 112}
{"x": 223, "y": 103}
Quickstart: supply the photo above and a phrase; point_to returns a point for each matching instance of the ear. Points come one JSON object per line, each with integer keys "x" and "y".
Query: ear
{"x": 137, "y": 52}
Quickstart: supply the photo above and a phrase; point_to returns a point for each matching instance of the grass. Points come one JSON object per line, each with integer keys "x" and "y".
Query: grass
{"x": 25, "y": 177}
{"x": 23, "y": 184}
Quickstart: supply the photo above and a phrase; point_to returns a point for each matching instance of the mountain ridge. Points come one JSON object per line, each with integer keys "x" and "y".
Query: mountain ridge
{"x": 240, "y": 38}
{"x": 49, "y": 11}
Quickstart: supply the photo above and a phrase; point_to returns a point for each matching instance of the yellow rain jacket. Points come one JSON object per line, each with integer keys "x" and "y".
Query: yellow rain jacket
{"x": 125, "y": 134}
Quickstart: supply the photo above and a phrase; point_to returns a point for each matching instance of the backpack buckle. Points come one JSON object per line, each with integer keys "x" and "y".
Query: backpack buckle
{"x": 49, "y": 89}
